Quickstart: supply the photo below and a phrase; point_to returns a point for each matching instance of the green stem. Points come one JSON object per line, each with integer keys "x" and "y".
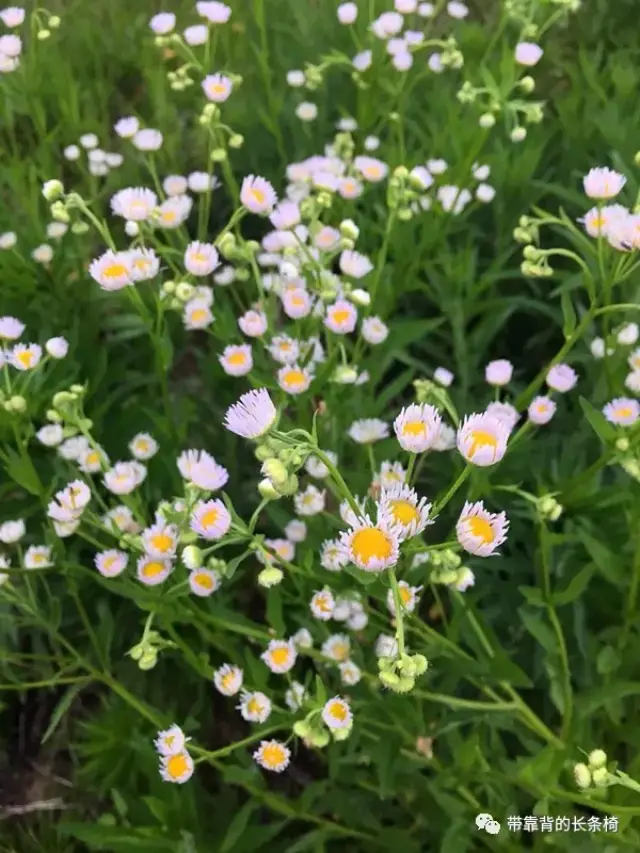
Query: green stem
{"x": 444, "y": 500}
{"x": 397, "y": 603}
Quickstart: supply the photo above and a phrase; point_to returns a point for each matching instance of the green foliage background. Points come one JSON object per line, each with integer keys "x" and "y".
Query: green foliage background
{"x": 457, "y": 298}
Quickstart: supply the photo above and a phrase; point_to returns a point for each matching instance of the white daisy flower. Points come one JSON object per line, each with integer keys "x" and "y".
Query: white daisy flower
{"x": 171, "y": 741}
{"x": 37, "y": 557}
{"x": 294, "y": 379}
{"x": 408, "y": 597}
{"x": 217, "y": 87}
{"x": 255, "y": 707}
{"x": 372, "y": 547}
{"x": 417, "y": 427}
{"x": 280, "y": 656}
{"x": 309, "y": 502}
{"x": 295, "y": 696}
{"x": 134, "y": 203}
{"x": 541, "y": 410}
{"x": 228, "y": 679}
{"x": 386, "y": 646}
{"x": 177, "y": 768}
{"x": 24, "y": 356}
{"x": 561, "y": 378}
{"x": 257, "y": 195}
{"x": 479, "y": 531}
{"x": 333, "y": 557}
{"x": 336, "y": 714}
{"x": 112, "y": 270}
{"x": 152, "y": 571}
{"x": 210, "y": 519}
{"x": 623, "y": 411}
{"x": 368, "y": 430}
{"x": 252, "y": 416}
{"x": 296, "y": 530}
{"x": 374, "y": 331}
{"x": 482, "y": 439}
{"x": 173, "y": 211}
{"x": 322, "y": 605}
{"x": 341, "y": 317}
{"x": 400, "y": 507}
{"x": 603, "y": 183}
{"x": 302, "y": 639}
{"x": 203, "y": 582}
{"x": 143, "y": 446}
{"x": 272, "y": 755}
{"x": 111, "y": 563}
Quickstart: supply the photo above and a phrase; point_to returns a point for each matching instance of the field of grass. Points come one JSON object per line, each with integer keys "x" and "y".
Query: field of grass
{"x": 507, "y": 662}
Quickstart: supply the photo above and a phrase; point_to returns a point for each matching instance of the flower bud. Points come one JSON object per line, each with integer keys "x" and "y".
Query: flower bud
{"x": 53, "y": 416}
{"x": 131, "y": 228}
{"x": 290, "y": 487}
{"x": 345, "y": 375}
{"x": 18, "y": 404}
{"x": 236, "y": 140}
{"x": 341, "y": 734}
{"x": 218, "y": 155}
{"x": 267, "y": 491}
{"x": 149, "y": 659}
{"x": 192, "y": 557}
{"x": 389, "y": 679}
{"x": 169, "y": 287}
{"x": 136, "y": 651}
{"x": 597, "y": 759}
{"x": 52, "y": 190}
{"x": 79, "y": 228}
{"x": 302, "y": 729}
{"x": 275, "y": 471}
{"x": 582, "y": 775}
{"x": 487, "y": 120}
{"x": 600, "y": 777}
{"x": 184, "y": 291}
{"x": 59, "y": 212}
{"x": 406, "y": 666}
{"x": 349, "y": 229}
{"x": 518, "y": 134}
{"x": 43, "y": 35}
{"x": 271, "y": 576}
{"x": 421, "y": 664}
{"x": 622, "y": 444}
{"x": 360, "y": 297}
{"x": 319, "y": 738}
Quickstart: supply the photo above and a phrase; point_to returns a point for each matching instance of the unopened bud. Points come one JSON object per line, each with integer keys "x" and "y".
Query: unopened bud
{"x": 597, "y": 759}
{"x": 275, "y": 471}
{"x": 192, "y": 557}
{"x": 218, "y": 155}
{"x": 582, "y": 775}
{"x": 518, "y": 134}
{"x": 184, "y": 291}
{"x": 149, "y": 659}
{"x": 487, "y": 120}
{"x": 52, "y": 190}
{"x": 236, "y": 140}
{"x": 267, "y": 491}
{"x": 271, "y": 576}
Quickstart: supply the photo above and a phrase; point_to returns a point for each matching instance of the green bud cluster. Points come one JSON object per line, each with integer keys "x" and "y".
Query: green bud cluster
{"x": 399, "y": 674}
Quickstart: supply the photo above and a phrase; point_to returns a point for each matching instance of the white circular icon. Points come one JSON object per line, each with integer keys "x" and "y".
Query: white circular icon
{"x": 481, "y": 820}
{"x": 485, "y": 821}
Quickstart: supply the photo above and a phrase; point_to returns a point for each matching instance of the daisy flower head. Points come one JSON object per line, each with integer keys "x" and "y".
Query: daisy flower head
{"x": 294, "y": 379}
{"x": 204, "y": 582}
{"x": 528, "y": 53}
{"x": 371, "y": 169}
{"x": 457, "y": 10}
{"x": 210, "y": 519}
{"x": 336, "y": 714}
{"x": 25, "y": 356}
{"x": 143, "y": 446}
{"x": 337, "y": 647}
{"x": 145, "y": 264}
{"x": 177, "y": 768}
{"x": 126, "y": 127}
{"x": 50, "y": 435}
{"x": 386, "y": 646}
{"x": 228, "y": 679}
{"x": 354, "y": 264}
{"x": 272, "y": 755}
{"x": 302, "y": 639}
{"x": 217, "y": 87}
{"x": 197, "y": 314}
{"x": 499, "y": 372}
{"x": 316, "y": 468}
{"x": 295, "y": 696}
{"x": 408, "y": 597}
{"x": 634, "y": 360}
{"x": 70, "y": 502}
{"x": 8, "y": 240}
{"x": 12, "y": 16}
{"x": 417, "y": 427}
{"x": 42, "y": 254}
{"x": 350, "y": 673}
{"x": 37, "y": 557}
{"x": 391, "y": 474}
{"x": 322, "y": 605}
{"x": 207, "y": 474}
{"x": 124, "y": 477}
{"x": 296, "y": 530}
{"x": 57, "y": 347}
{"x": 10, "y": 328}
{"x": 135, "y": 204}
{"x": 214, "y": 11}
{"x": 284, "y": 350}
{"x": 333, "y": 557}
{"x": 252, "y": 416}
{"x": 443, "y": 376}
{"x": 350, "y": 187}
{"x": 309, "y": 502}
{"x": 326, "y": 239}
{"x": 603, "y": 183}
{"x": 541, "y": 410}
{"x": 628, "y": 334}
{"x": 280, "y": 656}
{"x": 347, "y": 13}
{"x": 175, "y": 185}
{"x": 282, "y": 548}
{"x": 162, "y": 23}
{"x": 171, "y": 741}
{"x": 254, "y": 707}
{"x": 111, "y": 563}
{"x": 73, "y": 448}
{"x": 112, "y": 270}
{"x": 368, "y": 430}
{"x": 372, "y": 547}
{"x": 401, "y": 508}
{"x": 286, "y": 215}
{"x": 92, "y": 460}
{"x": 257, "y": 195}
{"x": 173, "y": 211}
{"x": 479, "y": 531}
{"x": 623, "y": 411}
{"x": 561, "y": 378}
{"x": 504, "y": 412}
{"x": 632, "y": 381}
{"x": 120, "y": 520}
{"x": 201, "y": 259}
{"x": 297, "y": 303}
{"x": 602, "y": 221}
{"x": 152, "y": 571}
{"x": 148, "y": 139}
{"x": 482, "y": 439}
{"x": 236, "y": 360}
{"x": 341, "y": 317}
{"x": 374, "y": 331}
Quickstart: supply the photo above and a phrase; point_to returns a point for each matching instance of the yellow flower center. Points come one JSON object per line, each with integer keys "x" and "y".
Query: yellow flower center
{"x": 349, "y": 186}
{"x": 114, "y": 270}
{"x": 599, "y": 222}
{"x": 341, "y": 315}
{"x": 25, "y": 358}
{"x": 142, "y": 263}
{"x": 338, "y": 711}
{"x": 273, "y": 755}
{"x": 198, "y": 315}
{"x": 481, "y": 438}
{"x": 258, "y": 195}
{"x": 322, "y": 603}
{"x": 253, "y": 706}
{"x": 405, "y": 594}
{"x": 227, "y": 680}
{"x": 414, "y": 428}
{"x": 219, "y": 88}
{"x": 623, "y": 412}
{"x": 92, "y": 458}
{"x": 481, "y": 529}
{"x": 542, "y": 408}
{"x": 38, "y": 558}
{"x": 169, "y": 215}
{"x": 280, "y": 656}
{"x": 153, "y": 569}
{"x": 109, "y": 561}
{"x": 371, "y": 172}
{"x": 209, "y": 517}
{"x": 203, "y": 580}
{"x": 199, "y": 256}
{"x": 340, "y": 651}
{"x": 162, "y": 542}
{"x": 293, "y": 378}
{"x": 404, "y": 512}
{"x": 285, "y": 346}
{"x": 371, "y": 543}
{"x": 142, "y": 445}
{"x": 177, "y": 766}
{"x": 237, "y": 359}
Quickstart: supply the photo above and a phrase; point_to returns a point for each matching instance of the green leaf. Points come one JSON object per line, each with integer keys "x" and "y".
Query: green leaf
{"x": 607, "y": 661}
{"x": 575, "y": 587}
{"x": 21, "y": 470}
{"x": 366, "y": 578}
{"x": 591, "y": 700}
{"x": 321, "y": 693}
{"x": 119, "y": 840}
{"x": 61, "y": 709}
{"x": 274, "y": 610}
{"x": 237, "y": 826}
{"x": 568, "y": 314}
{"x": 539, "y": 630}
{"x": 533, "y": 595}
{"x": 601, "y": 426}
